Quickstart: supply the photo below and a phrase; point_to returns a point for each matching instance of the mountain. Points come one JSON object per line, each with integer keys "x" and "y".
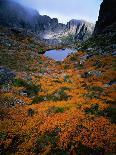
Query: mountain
{"x": 12, "y": 14}
{"x": 103, "y": 39}
{"x": 80, "y": 28}
{"x": 107, "y": 16}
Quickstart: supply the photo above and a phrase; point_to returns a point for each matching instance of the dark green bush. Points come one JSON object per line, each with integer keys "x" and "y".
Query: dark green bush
{"x": 111, "y": 113}
{"x": 30, "y": 88}
{"x": 56, "y": 110}
{"x": 60, "y": 95}
{"x": 80, "y": 66}
{"x": 40, "y": 50}
{"x": 19, "y": 83}
{"x": 3, "y": 135}
{"x": 38, "y": 99}
{"x": 43, "y": 141}
{"x": 93, "y": 110}
{"x": 95, "y": 88}
{"x": 84, "y": 150}
{"x": 30, "y": 112}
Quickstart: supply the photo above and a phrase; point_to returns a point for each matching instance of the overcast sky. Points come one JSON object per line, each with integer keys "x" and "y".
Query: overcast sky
{"x": 65, "y": 10}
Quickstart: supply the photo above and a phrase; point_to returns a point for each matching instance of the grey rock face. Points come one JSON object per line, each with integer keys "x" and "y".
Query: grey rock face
{"x": 6, "y": 75}
{"x": 80, "y": 28}
{"x": 107, "y": 16}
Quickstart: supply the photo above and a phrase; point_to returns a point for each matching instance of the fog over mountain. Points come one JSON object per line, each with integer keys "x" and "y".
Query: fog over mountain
{"x": 66, "y": 10}
{"x": 14, "y": 14}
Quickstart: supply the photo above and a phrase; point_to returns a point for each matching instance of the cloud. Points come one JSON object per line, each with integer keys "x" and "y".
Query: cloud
{"x": 66, "y": 9}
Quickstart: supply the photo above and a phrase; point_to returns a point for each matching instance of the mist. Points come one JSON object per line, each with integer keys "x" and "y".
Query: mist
{"x": 65, "y": 10}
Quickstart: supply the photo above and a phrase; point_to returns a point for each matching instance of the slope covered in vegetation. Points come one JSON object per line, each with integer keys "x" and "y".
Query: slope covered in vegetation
{"x": 19, "y": 48}
{"x": 60, "y": 108}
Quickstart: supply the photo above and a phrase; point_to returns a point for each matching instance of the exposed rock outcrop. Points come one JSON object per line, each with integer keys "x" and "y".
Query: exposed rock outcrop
{"x": 80, "y": 28}
{"x": 107, "y": 16}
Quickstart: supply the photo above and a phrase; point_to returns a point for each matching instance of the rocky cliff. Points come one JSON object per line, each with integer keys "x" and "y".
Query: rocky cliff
{"x": 15, "y": 15}
{"x": 107, "y": 16}
{"x": 80, "y": 28}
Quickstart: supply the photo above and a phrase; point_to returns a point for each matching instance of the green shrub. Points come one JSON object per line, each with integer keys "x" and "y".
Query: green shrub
{"x": 84, "y": 150}
{"x": 60, "y": 95}
{"x": 92, "y": 95}
{"x": 30, "y": 112}
{"x": 38, "y": 99}
{"x": 95, "y": 88}
{"x": 80, "y": 66}
{"x": 111, "y": 113}
{"x": 58, "y": 62}
{"x": 30, "y": 88}
{"x": 42, "y": 70}
{"x": 50, "y": 138}
{"x": 3, "y": 135}
{"x": 19, "y": 83}
{"x": 67, "y": 78}
{"x": 40, "y": 50}
{"x": 33, "y": 89}
{"x": 56, "y": 110}
{"x": 93, "y": 110}
{"x": 58, "y": 151}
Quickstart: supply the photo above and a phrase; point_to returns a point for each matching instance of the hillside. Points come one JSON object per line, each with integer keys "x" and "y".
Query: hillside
{"x": 60, "y": 107}
{"x": 19, "y": 49}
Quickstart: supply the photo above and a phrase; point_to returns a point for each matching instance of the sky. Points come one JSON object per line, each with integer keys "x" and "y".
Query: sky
{"x": 66, "y": 10}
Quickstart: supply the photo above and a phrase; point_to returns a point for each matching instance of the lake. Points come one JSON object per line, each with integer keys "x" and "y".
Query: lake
{"x": 60, "y": 54}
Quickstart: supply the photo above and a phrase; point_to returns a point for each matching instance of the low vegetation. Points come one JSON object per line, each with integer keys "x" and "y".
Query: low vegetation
{"x": 59, "y": 108}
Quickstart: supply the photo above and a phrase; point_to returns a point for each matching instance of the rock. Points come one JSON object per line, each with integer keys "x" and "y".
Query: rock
{"x": 107, "y": 16}
{"x": 23, "y": 93}
{"x": 114, "y": 53}
{"x": 19, "y": 102}
{"x": 94, "y": 72}
{"x": 82, "y": 29}
{"x": 6, "y": 75}
{"x": 90, "y": 73}
{"x": 85, "y": 57}
{"x": 112, "y": 82}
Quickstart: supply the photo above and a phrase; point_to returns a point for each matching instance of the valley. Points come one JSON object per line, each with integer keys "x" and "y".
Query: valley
{"x": 57, "y": 97}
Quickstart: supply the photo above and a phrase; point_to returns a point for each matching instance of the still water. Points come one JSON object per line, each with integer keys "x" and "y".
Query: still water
{"x": 59, "y": 55}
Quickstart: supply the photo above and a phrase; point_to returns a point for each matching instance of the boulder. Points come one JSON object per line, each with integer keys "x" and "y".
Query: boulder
{"x": 6, "y": 75}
